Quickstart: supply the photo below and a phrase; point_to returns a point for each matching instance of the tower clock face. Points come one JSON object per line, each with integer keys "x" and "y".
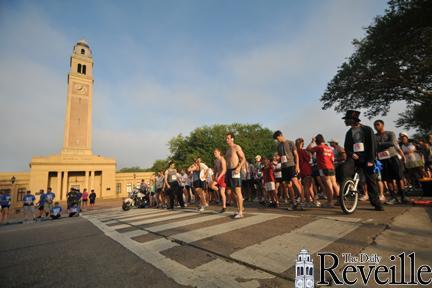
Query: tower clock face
{"x": 80, "y": 89}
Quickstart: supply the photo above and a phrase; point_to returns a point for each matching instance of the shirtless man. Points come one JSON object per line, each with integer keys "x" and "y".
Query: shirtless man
{"x": 220, "y": 169}
{"x": 235, "y": 159}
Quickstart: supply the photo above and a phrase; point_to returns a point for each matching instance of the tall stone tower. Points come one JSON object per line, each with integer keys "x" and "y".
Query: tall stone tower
{"x": 78, "y": 122}
{"x": 76, "y": 166}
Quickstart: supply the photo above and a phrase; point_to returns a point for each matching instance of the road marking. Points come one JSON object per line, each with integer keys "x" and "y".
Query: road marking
{"x": 111, "y": 222}
{"x": 184, "y": 223}
{"x": 119, "y": 226}
{"x": 134, "y": 233}
{"x": 149, "y": 221}
{"x": 121, "y": 214}
{"x": 198, "y": 234}
{"x": 217, "y": 273}
{"x": 275, "y": 255}
{"x": 145, "y": 216}
{"x": 278, "y": 254}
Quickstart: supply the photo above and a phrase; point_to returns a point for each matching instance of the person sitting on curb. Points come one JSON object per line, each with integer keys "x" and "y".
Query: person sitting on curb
{"x": 56, "y": 211}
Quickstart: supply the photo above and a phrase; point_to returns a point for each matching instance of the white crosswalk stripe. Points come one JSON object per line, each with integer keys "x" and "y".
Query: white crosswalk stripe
{"x": 202, "y": 233}
{"x": 276, "y": 254}
{"x": 279, "y": 253}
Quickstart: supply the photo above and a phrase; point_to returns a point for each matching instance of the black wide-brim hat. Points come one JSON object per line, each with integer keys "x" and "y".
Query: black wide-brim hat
{"x": 352, "y": 114}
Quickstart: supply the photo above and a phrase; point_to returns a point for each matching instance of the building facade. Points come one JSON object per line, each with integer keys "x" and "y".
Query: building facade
{"x": 76, "y": 166}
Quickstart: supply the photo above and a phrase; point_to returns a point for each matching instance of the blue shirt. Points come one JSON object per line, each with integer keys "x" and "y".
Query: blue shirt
{"x": 50, "y": 196}
{"x": 5, "y": 199}
{"x": 42, "y": 199}
{"x": 29, "y": 199}
{"x": 56, "y": 210}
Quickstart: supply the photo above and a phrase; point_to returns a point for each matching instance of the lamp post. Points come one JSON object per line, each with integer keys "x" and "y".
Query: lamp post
{"x": 13, "y": 180}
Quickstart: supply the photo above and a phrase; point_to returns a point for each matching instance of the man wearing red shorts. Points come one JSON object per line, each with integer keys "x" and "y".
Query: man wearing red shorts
{"x": 220, "y": 171}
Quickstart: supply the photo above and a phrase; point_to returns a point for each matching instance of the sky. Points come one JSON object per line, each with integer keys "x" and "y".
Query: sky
{"x": 163, "y": 68}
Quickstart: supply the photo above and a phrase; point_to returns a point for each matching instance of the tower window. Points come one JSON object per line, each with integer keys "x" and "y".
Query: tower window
{"x": 84, "y": 69}
{"x": 79, "y": 68}
{"x": 82, "y": 51}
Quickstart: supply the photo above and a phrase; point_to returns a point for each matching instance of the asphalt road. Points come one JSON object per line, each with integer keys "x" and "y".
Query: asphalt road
{"x": 159, "y": 248}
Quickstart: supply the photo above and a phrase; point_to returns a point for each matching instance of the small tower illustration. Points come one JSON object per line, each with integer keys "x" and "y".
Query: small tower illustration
{"x": 304, "y": 270}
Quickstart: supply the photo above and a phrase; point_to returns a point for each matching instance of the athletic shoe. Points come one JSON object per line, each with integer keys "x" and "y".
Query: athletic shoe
{"x": 201, "y": 209}
{"x": 364, "y": 198}
{"x": 302, "y": 206}
{"x": 238, "y": 216}
{"x": 222, "y": 210}
{"x": 292, "y": 207}
{"x": 392, "y": 201}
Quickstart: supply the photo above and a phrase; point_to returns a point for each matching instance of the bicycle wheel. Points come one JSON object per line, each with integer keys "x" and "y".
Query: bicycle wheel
{"x": 348, "y": 196}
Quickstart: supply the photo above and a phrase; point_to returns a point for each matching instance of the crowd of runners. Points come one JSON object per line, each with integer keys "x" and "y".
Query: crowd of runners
{"x": 301, "y": 174}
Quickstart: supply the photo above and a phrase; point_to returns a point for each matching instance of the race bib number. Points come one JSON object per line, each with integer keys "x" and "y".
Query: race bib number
{"x": 235, "y": 175}
{"x": 173, "y": 177}
{"x": 383, "y": 155}
{"x": 358, "y": 147}
{"x": 278, "y": 174}
{"x": 284, "y": 159}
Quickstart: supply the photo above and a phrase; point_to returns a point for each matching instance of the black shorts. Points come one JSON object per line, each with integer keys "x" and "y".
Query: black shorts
{"x": 92, "y": 201}
{"x": 327, "y": 172}
{"x": 5, "y": 206}
{"x": 41, "y": 207}
{"x": 288, "y": 173}
{"x": 392, "y": 169}
{"x": 278, "y": 180}
{"x": 84, "y": 200}
{"x": 232, "y": 182}
{"x": 197, "y": 184}
{"x": 315, "y": 171}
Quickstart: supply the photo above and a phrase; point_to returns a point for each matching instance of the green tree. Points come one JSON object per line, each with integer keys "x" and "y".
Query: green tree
{"x": 253, "y": 138}
{"x": 393, "y": 62}
{"x": 158, "y": 165}
{"x": 132, "y": 169}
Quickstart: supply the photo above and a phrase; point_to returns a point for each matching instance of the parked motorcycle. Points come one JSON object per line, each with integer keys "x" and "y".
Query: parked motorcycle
{"x": 137, "y": 198}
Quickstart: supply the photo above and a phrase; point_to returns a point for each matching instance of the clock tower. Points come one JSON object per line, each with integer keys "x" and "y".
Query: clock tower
{"x": 78, "y": 122}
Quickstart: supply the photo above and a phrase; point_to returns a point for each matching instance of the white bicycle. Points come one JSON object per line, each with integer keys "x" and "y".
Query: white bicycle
{"x": 349, "y": 194}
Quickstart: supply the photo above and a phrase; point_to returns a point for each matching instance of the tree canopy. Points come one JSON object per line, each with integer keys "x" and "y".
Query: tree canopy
{"x": 132, "y": 169}
{"x": 253, "y": 138}
{"x": 393, "y": 62}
